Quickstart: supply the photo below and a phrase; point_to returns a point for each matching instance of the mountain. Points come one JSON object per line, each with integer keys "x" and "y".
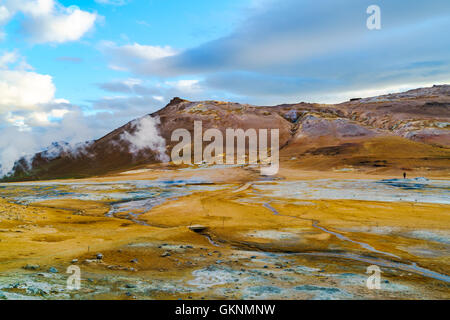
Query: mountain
{"x": 401, "y": 131}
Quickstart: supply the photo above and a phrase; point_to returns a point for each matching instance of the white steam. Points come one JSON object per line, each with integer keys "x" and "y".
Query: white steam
{"x": 75, "y": 150}
{"x": 12, "y": 153}
{"x": 16, "y": 143}
{"x": 146, "y": 136}
{"x": 25, "y": 141}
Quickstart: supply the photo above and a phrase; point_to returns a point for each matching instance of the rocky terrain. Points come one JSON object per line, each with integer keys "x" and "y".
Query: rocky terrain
{"x": 397, "y": 132}
{"x": 171, "y": 234}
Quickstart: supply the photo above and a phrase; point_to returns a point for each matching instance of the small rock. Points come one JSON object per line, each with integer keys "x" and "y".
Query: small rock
{"x": 53, "y": 270}
{"x": 134, "y": 261}
{"x": 31, "y": 267}
{"x": 130, "y": 286}
{"x": 166, "y": 254}
{"x": 74, "y": 261}
{"x": 265, "y": 267}
{"x": 99, "y": 256}
{"x": 198, "y": 228}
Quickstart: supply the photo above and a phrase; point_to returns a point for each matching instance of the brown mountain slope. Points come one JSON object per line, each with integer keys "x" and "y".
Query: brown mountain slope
{"x": 401, "y": 131}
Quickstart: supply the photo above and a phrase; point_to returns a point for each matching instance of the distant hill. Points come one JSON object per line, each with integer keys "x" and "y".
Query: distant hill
{"x": 402, "y": 130}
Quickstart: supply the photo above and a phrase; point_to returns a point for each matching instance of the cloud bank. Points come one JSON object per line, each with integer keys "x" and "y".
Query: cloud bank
{"x": 296, "y": 48}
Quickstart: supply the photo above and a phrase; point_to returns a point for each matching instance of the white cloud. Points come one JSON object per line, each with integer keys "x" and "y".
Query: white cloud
{"x": 13, "y": 58}
{"x": 24, "y": 89}
{"x": 287, "y": 51}
{"x": 186, "y": 86}
{"x": 132, "y": 82}
{"x": 133, "y": 56}
{"x": 70, "y": 25}
{"x": 9, "y": 57}
{"x": 27, "y": 98}
{"x": 49, "y": 21}
{"x": 147, "y": 52}
{"x": 140, "y": 94}
{"x": 32, "y": 7}
{"x": 46, "y": 118}
{"x": 17, "y": 121}
{"x": 60, "y": 100}
{"x": 4, "y": 14}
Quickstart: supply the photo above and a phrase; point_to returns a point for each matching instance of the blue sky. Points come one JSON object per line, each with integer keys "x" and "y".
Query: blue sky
{"x": 74, "y": 70}
{"x": 180, "y": 24}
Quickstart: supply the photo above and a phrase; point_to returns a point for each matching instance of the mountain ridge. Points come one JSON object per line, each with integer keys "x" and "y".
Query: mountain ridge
{"x": 419, "y": 115}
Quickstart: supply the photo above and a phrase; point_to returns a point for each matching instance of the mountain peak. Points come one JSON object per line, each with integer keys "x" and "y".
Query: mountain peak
{"x": 177, "y": 100}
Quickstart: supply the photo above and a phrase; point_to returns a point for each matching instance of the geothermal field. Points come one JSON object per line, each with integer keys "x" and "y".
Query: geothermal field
{"x": 224, "y": 233}
{"x": 362, "y": 186}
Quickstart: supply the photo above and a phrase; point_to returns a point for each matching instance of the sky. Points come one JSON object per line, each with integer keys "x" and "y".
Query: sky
{"x": 74, "y": 70}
